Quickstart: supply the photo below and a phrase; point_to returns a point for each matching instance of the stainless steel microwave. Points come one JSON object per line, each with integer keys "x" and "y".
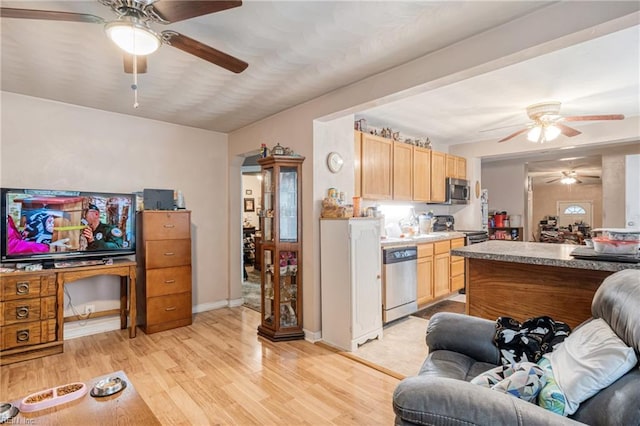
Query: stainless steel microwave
{"x": 457, "y": 191}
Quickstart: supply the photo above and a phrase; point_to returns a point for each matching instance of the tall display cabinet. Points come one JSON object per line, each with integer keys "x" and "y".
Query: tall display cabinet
{"x": 281, "y": 252}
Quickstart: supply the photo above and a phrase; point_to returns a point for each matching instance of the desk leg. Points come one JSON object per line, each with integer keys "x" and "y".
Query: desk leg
{"x": 123, "y": 302}
{"x": 132, "y": 302}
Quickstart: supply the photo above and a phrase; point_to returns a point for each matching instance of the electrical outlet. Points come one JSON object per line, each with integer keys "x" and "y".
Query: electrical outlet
{"x": 89, "y": 309}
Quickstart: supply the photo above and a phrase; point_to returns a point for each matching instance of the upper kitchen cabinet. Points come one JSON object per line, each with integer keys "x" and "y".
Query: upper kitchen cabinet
{"x": 376, "y": 165}
{"x": 456, "y": 167}
{"x": 402, "y": 171}
{"x": 421, "y": 174}
{"x": 357, "y": 169}
{"x": 438, "y": 168}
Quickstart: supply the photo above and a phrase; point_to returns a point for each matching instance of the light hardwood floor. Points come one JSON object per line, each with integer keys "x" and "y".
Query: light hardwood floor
{"x": 217, "y": 371}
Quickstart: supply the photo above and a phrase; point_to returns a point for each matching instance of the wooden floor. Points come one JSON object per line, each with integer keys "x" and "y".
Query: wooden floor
{"x": 217, "y": 371}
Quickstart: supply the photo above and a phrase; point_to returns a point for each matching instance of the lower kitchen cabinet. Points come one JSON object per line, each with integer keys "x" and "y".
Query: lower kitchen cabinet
{"x": 457, "y": 266}
{"x": 424, "y": 290}
{"x": 441, "y": 268}
{"x": 351, "y": 281}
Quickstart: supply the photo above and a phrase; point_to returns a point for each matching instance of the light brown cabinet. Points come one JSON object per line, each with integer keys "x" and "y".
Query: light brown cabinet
{"x": 457, "y": 266}
{"x": 421, "y": 174}
{"x": 438, "y": 166}
{"x": 357, "y": 163}
{"x": 29, "y": 317}
{"x": 456, "y": 167}
{"x": 376, "y": 164}
{"x": 164, "y": 270}
{"x": 441, "y": 268}
{"x": 424, "y": 290}
{"x": 402, "y": 171}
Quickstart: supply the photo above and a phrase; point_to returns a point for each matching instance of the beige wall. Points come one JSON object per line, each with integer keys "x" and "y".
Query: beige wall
{"x": 51, "y": 145}
{"x": 546, "y": 196}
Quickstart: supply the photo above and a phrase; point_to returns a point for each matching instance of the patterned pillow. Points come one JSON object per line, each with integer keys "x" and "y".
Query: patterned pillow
{"x": 522, "y": 380}
{"x": 551, "y": 396}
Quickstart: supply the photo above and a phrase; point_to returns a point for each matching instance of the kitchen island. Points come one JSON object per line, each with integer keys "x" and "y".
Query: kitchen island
{"x": 523, "y": 280}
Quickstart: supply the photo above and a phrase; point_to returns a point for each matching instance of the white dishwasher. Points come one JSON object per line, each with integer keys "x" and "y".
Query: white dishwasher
{"x": 399, "y": 270}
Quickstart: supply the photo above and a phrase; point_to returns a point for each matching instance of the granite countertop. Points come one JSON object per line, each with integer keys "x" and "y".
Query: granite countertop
{"x": 421, "y": 238}
{"x": 537, "y": 254}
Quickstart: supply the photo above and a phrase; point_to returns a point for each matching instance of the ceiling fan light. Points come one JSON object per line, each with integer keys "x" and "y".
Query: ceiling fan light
{"x": 568, "y": 180}
{"x": 551, "y": 132}
{"x": 133, "y": 37}
{"x": 534, "y": 134}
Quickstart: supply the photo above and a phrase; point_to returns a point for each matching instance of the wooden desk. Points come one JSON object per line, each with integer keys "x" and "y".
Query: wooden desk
{"x": 124, "y": 407}
{"x": 40, "y": 331}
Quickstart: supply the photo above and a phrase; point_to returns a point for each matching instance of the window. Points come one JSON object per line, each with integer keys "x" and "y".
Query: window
{"x": 574, "y": 210}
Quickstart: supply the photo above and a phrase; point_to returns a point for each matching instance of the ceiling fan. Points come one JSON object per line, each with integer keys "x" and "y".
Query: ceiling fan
{"x": 547, "y": 123}
{"x": 132, "y": 32}
{"x": 571, "y": 177}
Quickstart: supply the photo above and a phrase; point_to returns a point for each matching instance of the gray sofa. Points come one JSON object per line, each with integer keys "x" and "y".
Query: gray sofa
{"x": 461, "y": 347}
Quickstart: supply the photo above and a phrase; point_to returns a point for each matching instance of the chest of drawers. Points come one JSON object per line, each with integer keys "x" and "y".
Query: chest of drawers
{"x": 164, "y": 270}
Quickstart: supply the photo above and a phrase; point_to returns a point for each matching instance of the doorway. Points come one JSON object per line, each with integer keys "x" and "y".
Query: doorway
{"x": 251, "y": 232}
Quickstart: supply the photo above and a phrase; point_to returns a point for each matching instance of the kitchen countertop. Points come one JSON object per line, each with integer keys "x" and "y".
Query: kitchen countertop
{"x": 537, "y": 254}
{"x": 421, "y": 238}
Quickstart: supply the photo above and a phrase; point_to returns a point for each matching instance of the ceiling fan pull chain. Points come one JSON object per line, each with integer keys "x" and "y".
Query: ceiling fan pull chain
{"x": 134, "y": 86}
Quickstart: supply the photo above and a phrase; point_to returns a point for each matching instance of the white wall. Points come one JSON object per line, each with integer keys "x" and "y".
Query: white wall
{"x": 51, "y": 145}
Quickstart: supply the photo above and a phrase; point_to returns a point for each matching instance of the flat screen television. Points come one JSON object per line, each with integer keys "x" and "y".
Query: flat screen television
{"x": 52, "y": 225}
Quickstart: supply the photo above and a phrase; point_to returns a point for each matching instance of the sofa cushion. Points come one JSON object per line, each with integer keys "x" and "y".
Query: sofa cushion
{"x": 590, "y": 359}
{"x": 453, "y": 365}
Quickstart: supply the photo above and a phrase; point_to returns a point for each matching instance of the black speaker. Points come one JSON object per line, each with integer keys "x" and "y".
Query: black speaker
{"x": 158, "y": 199}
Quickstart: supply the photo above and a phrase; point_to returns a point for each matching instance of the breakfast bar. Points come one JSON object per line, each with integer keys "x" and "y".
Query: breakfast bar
{"x": 525, "y": 279}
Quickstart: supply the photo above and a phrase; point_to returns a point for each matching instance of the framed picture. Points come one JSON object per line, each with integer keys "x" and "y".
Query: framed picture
{"x": 249, "y": 204}
{"x": 248, "y": 192}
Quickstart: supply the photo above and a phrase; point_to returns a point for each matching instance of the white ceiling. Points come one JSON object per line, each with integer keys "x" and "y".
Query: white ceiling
{"x": 298, "y": 50}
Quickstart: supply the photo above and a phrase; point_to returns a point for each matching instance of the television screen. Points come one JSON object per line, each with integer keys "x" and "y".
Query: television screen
{"x": 50, "y": 224}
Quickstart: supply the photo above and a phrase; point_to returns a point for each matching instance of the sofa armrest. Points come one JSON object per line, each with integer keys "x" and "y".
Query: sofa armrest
{"x": 427, "y": 400}
{"x": 471, "y": 336}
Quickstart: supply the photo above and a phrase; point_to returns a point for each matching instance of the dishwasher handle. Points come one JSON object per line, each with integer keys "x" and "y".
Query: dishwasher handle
{"x": 399, "y": 254}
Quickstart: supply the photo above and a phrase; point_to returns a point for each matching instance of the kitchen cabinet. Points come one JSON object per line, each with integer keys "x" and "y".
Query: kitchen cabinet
{"x": 357, "y": 163}
{"x": 424, "y": 290}
{"x": 421, "y": 174}
{"x": 456, "y": 167}
{"x": 376, "y": 163}
{"x": 281, "y": 274}
{"x": 457, "y": 266}
{"x": 164, "y": 270}
{"x": 402, "y": 171}
{"x": 441, "y": 268}
{"x": 351, "y": 285}
{"x": 438, "y": 168}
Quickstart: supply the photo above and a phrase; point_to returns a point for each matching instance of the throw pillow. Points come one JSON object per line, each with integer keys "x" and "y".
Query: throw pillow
{"x": 522, "y": 380}
{"x": 551, "y": 397}
{"x": 590, "y": 359}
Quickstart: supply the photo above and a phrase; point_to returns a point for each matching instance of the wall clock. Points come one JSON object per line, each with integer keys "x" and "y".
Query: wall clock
{"x": 334, "y": 162}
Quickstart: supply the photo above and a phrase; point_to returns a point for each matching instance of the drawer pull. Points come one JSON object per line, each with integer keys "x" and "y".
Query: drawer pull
{"x": 172, "y": 308}
{"x": 22, "y": 336}
{"x": 169, "y": 281}
{"x": 22, "y": 287}
{"x": 22, "y": 312}
{"x": 170, "y": 254}
{"x": 168, "y": 225}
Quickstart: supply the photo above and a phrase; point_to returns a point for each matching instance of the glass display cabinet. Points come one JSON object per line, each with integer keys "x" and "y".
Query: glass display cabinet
{"x": 281, "y": 252}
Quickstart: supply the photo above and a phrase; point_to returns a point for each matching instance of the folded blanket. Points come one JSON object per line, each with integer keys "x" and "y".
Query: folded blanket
{"x": 527, "y": 341}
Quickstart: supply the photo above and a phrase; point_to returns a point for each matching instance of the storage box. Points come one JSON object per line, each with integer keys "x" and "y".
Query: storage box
{"x": 616, "y": 246}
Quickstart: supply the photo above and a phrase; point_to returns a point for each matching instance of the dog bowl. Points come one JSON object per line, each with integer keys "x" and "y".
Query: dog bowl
{"x": 7, "y": 411}
{"x": 108, "y": 386}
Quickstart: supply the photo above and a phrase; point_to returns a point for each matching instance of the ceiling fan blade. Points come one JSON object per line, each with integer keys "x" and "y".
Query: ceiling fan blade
{"x": 203, "y": 51}
{"x": 594, "y": 117}
{"x": 553, "y": 180}
{"x": 590, "y": 176}
{"x": 141, "y": 63}
{"x": 567, "y": 131}
{"x": 578, "y": 180}
{"x": 179, "y": 10}
{"x": 513, "y": 135}
{"x": 48, "y": 15}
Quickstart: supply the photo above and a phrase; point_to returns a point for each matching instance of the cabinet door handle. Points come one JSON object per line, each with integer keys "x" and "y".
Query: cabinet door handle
{"x": 22, "y": 287}
{"x": 22, "y": 312}
{"x": 169, "y": 281}
{"x": 168, "y": 225}
{"x": 172, "y": 308}
{"x": 170, "y": 254}
{"x": 22, "y": 336}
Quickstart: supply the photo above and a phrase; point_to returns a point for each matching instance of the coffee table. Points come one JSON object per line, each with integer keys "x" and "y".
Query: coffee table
{"x": 124, "y": 407}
